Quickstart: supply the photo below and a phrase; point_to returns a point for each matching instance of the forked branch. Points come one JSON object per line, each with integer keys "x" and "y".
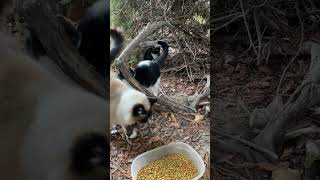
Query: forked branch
{"x": 42, "y": 20}
{"x": 121, "y": 65}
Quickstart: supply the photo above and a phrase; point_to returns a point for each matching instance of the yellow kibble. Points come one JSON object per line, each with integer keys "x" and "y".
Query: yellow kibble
{"x": 171, "y": 167}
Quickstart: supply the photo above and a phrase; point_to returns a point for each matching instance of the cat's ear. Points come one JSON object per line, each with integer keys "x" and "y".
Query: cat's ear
{"x": 71, "y": 29}
{"x": 153, "y": 100}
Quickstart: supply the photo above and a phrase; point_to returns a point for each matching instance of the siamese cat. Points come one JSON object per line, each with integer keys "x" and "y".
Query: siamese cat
{"x": 128, "y": 106}
{"x": 49, "y": 129}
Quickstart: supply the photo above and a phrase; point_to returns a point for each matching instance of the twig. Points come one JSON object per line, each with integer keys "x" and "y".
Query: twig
{"x": 300, "y": 132}
{"x": 247, "y": 26}
{"x": 183, "y": 56}
{"x": 296, "y": 55}
{"x": 243, "y": 106}
{"x": 258, "y": 31}
{"x": 205, "y": 93}
{"x": 270, "y": 21}
{"x": 260, "y": 5}
{"x": 267, "y": 152}
{"x": 121, "y": 60}
{"x": 237, "y": 14}
{"x": 229, "y": 22}
{"x": 149, "y": 29}
{"x": 269, "y": 50}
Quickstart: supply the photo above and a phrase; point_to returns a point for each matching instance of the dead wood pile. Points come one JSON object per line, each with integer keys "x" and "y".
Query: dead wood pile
{"x": 265, "y": 27}
{"x": 187, "y": 31}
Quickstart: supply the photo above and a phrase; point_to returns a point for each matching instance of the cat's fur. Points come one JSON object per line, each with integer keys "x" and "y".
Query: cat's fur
{"x": 46, "y": 123}
{"x": 147, "y": 72}
{"x": 128, "y": 106}
{"x": 89, "y": 37}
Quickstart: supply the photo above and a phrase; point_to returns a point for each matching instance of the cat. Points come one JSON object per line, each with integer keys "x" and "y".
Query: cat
{"x": 147, "y": 72}
{"x": 49, "y": 129}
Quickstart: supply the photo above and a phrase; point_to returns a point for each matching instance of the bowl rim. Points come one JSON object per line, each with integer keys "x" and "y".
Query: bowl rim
{"x": 201, "y": 167}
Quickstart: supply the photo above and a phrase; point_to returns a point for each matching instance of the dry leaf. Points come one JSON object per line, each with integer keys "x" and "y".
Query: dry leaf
{"x": 154, "y": 139}
{"x": 265, "y": 84}
{"x": 176, "y": 125}
{"x": 165, "y": 85}
{"x": 173, "y": 118}
{"x": 174, "y": 121}
{"x": 164, "y": 114}
{"x": 198, "y": 118}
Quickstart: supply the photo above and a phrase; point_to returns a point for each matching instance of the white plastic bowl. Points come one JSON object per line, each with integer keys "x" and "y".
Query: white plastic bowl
{"x": 157, "y": 153}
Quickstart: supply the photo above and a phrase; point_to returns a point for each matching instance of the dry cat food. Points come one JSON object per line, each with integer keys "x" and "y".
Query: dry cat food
{"x": 171, "y": 167}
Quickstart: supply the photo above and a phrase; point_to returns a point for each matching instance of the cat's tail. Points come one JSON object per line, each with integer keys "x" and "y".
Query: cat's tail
{"x": 34, "y": 46}
{"x": 116, "y": 44}
{"x": 162, "y": 58}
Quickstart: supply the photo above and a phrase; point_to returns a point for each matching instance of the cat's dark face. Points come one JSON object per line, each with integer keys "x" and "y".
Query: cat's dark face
{"x": 89, "y": 156}
{"x": 140, "y": 114}
{"x": 155, "y": 50}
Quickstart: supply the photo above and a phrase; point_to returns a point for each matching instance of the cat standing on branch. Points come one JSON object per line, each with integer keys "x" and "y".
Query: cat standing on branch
{"x": 122, "y": 59}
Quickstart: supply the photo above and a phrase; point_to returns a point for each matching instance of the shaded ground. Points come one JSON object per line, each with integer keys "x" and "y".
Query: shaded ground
{"x": 240, "y": 88}
{"x": 163, "y": 128}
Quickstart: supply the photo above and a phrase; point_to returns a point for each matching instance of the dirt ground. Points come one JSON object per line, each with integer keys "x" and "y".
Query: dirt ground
{"x": 163, "y": 128}
{"x": 240, "y": 88}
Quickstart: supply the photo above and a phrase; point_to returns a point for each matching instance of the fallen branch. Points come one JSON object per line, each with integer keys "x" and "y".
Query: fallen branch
{"x": 149, "y": 29}
{"x": 305, "y": 97}
{"x": 272, "y": 121}
{"x": 42, "y": 20}
{"x": 254, "y": 146}
{"x": 198, "y": 97}
{"x": 301, "y": 132}
{"x": 121, "y": 61}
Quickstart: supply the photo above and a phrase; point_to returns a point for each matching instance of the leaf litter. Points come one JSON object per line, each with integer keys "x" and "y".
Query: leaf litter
{"x": 163, "y": 128}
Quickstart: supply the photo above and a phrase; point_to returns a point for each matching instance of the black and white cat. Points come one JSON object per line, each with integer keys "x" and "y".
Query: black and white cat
{"x": 89, "y": 37}
{"x": 152, "y": 53}
{"x": 116, "y": 43}
{"x": 147, "y": 72}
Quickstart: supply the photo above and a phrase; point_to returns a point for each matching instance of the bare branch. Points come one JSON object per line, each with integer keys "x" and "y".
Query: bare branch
{"x": 42, "y": 20}
{"x": 198, "y": 97}
{"x": 122, "y": 59}
{"x": 149, "y": 29}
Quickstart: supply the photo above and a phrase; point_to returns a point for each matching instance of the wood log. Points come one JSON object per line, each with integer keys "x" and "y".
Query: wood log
{"x": 42, "y": 20}
{"x": 121, "y": 65}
